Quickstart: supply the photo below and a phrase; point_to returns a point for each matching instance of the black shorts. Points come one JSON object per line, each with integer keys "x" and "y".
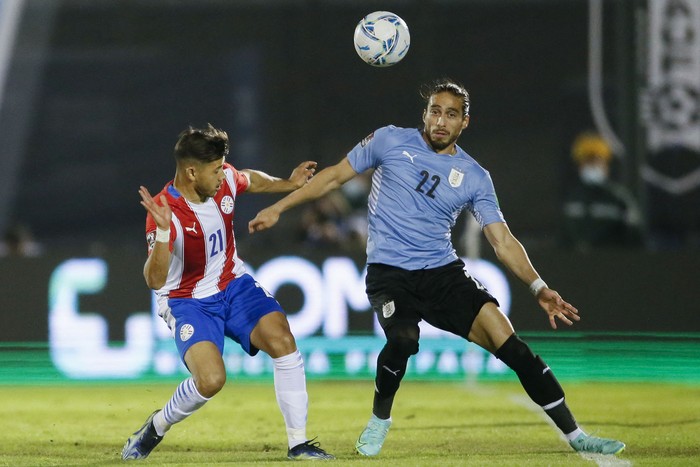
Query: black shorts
{"x": 446, "y": 297}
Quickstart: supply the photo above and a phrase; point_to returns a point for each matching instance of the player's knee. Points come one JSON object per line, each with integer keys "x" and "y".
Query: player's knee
{"x": 516, "y": 354}
{"x": 210, "y": 384}
{"x": 281, "y": 345}
{"x": 402, "y": 347}
{"x": 519, "y": 357}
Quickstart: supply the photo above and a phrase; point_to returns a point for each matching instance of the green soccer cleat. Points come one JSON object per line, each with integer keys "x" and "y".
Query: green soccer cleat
{"x": 308, "y": 450}
{"x": 595, "y": 445}
{"x": 372, "y": 437}
{"x": 140, "y": 444}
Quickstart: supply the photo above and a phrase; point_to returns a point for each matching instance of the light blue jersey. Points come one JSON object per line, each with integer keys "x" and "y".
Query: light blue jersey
{"x": 416, "y": 197}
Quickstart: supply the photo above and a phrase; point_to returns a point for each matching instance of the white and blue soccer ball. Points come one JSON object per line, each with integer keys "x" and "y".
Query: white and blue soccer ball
{"x": 382, "y": 39}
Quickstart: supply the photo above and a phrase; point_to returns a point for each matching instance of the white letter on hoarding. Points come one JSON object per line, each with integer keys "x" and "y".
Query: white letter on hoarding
{"x": 78, "y": 341}
{"x": 305, "y": 275}
{"x": 344, "y": 285}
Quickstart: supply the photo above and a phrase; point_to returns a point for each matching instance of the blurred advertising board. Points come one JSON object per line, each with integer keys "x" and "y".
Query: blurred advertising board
{"x": 73, "y": 318}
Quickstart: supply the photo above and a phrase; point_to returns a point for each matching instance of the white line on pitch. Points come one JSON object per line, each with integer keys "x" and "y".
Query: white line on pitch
{"x": 599, "y": 459}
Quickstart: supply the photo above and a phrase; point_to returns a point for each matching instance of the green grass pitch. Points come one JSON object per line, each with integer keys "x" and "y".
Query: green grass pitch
{"x": 435, "y": 424}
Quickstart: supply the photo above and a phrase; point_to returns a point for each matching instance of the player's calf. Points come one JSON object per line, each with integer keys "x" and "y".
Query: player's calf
{"x": 539, "y": 381}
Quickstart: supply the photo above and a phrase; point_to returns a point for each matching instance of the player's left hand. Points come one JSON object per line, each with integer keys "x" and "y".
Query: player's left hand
{"x": 264, "y": 220}
{"x": 303, "y": 173}
{"x": 557, "y": 308}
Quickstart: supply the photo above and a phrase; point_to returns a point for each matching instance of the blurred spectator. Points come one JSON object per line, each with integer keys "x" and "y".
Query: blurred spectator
{"x": 321, "y": 221}
{"x": 18, "y": 241}
{"x": 356, "y": 192}
{"x": 340, "y": 218}
{"x": 598, "y": 212}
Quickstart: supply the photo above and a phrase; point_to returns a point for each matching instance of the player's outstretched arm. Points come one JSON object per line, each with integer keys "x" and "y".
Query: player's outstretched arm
{"x": 260, "y": 182}
{"x": 512, "y": 253}
{"x": 327, "y": 180}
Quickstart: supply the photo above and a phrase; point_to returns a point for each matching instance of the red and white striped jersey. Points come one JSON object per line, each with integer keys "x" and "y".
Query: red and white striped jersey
{"x": 203, "y": 248}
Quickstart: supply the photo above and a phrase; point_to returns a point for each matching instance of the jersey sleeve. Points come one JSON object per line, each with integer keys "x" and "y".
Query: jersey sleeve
{"x": 485, "y": 207}
{"x": 240, "y": 180}
{"x": 366, "y": 154}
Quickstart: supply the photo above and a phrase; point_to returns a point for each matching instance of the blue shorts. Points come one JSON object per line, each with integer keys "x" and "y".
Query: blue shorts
{"x": 233, "y": 313}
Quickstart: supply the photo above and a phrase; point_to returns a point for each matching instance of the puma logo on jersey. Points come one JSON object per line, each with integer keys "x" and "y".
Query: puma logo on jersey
{"x": 192, "y": 229}
{"x": 407, "y": 154}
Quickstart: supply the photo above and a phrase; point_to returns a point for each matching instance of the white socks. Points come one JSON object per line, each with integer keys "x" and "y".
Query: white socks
{"x": 290, "y": 389}
{"x": 185, "y": 401}
{"x": 574, "y": 434}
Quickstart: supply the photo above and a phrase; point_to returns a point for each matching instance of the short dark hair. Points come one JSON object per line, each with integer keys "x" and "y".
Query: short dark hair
{"x": 202, "y": 144}
{"x": 446, "y": 85}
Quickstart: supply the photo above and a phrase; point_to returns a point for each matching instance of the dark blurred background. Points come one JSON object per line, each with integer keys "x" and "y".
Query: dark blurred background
{"x": 96, "y": 92}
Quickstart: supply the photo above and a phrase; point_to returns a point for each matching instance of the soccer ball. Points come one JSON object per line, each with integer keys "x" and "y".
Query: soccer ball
{"x": 382, "y": 39}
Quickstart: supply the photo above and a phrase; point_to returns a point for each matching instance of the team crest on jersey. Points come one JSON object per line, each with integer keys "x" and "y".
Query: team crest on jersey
{"x": 186, "y": 332}
{"x": 226, "y": 204}
{"x": 367, "y": 139}
{"x": 388, "y": 309}
{"x": 151, "y": 240}
{"x": 455, "y": 178}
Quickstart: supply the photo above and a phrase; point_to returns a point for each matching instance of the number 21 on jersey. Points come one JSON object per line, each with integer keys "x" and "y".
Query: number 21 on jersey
{"x": 216, "y": 242}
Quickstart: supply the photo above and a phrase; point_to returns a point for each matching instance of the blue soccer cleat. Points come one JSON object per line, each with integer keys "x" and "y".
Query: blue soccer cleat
{"x": 372, "y": 437}
{"x": 308, "y": 450}
{"x": 140, "y": 444}
{"x": 595, "y": 445}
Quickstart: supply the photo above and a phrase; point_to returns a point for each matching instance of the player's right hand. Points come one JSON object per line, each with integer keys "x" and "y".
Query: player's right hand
{"x": 161, "y": 213}
{"x": 264, "y": 220}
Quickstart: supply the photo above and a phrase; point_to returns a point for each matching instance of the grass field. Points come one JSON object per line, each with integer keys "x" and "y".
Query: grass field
{"x": 445, "y": 424}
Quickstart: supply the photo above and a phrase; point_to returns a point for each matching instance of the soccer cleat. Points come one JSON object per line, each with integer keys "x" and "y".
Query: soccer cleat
{"x": 372, "y": 437}
{"x": 593, "y": 444}
{"x": 308, "y": 450}
{"x": 141, "y": 443}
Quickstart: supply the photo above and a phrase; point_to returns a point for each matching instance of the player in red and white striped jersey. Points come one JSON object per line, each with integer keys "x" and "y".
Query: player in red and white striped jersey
{"x": 205, "y": 294}
{"x": 200, "y": 265}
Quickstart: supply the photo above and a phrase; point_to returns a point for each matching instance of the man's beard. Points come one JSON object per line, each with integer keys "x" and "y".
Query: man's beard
{"x": 438, "y": 145}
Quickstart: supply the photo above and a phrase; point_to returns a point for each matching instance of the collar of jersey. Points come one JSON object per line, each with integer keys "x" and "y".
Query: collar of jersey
{"x": 173, "y": 191}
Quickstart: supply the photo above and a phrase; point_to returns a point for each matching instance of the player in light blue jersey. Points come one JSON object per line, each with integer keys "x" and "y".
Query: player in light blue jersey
{"x": 422, "y": 181}
{"x": 417, "y": 196}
